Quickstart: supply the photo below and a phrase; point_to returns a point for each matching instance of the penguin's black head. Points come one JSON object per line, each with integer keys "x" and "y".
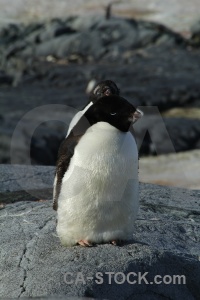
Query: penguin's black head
{"x": 114, "y": 110}
{"x": 103, "y": 88}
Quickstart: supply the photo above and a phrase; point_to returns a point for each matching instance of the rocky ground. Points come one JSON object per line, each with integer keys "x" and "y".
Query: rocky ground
{"x": 33, "y": 263}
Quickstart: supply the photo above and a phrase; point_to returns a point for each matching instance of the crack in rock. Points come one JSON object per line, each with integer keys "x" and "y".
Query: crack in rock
{"x": 46, "y": 223}
{"x": 23, "y": 257}
{"x": 25, "y": 272}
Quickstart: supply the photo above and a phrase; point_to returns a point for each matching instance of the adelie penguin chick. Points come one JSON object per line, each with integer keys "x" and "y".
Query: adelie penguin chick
{"x": 96, "y": 183}
{"x": 103, "y": 88}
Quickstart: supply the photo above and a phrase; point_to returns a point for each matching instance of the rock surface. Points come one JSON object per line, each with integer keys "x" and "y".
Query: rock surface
{"x": 165, "y": 242}
{"x": 195, "y": 30}
{"x": 167, "y": 135}
{"x": 90, "y": 39}
{"x": 20, "y": 182}
{"x": 178, "y": 15}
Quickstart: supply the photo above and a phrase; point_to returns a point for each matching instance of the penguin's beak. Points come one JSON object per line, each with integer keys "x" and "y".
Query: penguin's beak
{"x": 136, "y": 115}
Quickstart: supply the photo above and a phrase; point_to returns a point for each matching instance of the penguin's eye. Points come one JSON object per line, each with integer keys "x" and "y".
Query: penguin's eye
{"x": 113, "y": 114}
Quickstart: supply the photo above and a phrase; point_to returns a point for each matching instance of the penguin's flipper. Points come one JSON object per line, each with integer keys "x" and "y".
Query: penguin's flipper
{"x": 65, "y": 153}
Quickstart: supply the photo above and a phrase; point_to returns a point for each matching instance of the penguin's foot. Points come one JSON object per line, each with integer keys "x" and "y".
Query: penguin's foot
{"x": 84, "y": 243}
{"x": 116, "y": 242}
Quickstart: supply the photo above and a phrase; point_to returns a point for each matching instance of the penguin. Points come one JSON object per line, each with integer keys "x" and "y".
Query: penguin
{"x": 96, "y": 182}
{"x": 103, "y": 88}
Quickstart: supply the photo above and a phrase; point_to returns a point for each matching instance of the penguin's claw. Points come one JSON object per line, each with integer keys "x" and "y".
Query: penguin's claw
{"x": 84, "y": 243}
{"x": 116, "y": 242}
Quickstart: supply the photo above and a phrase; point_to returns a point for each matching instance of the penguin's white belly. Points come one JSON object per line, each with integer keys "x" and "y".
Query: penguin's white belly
{"x": 98, "y": 200}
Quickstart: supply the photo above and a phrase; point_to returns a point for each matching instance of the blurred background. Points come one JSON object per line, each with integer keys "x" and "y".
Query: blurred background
{"x": 51, "y": 51}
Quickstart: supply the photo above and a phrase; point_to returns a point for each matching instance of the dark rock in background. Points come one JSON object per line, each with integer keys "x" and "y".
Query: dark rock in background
{"x": 195, "y": 30}
{"x": 165, "y": 242}
{"x": 89, "y": 37}
{"x": 5, "y": 79}
{"x": 167, "y": 135}
{"x": 51, "y": 63}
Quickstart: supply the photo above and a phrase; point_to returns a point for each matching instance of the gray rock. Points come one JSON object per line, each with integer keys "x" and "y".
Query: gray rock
{"x": 165, "y": 242}
{"x": 10, "y": 33}
{"x": 5, "y": 79}
{"x": 166, "y": 135}
{"x": 20, "y": 182}
{"x": 20, "y": 177}
{"x": 83, "y": 23}
{"x": 62, "y": 47}
{"x": 35, "y": 132}
{"x": 195, "y": 30}
{"x": 53, "y": 29}
{"x": 96, "y": 37}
